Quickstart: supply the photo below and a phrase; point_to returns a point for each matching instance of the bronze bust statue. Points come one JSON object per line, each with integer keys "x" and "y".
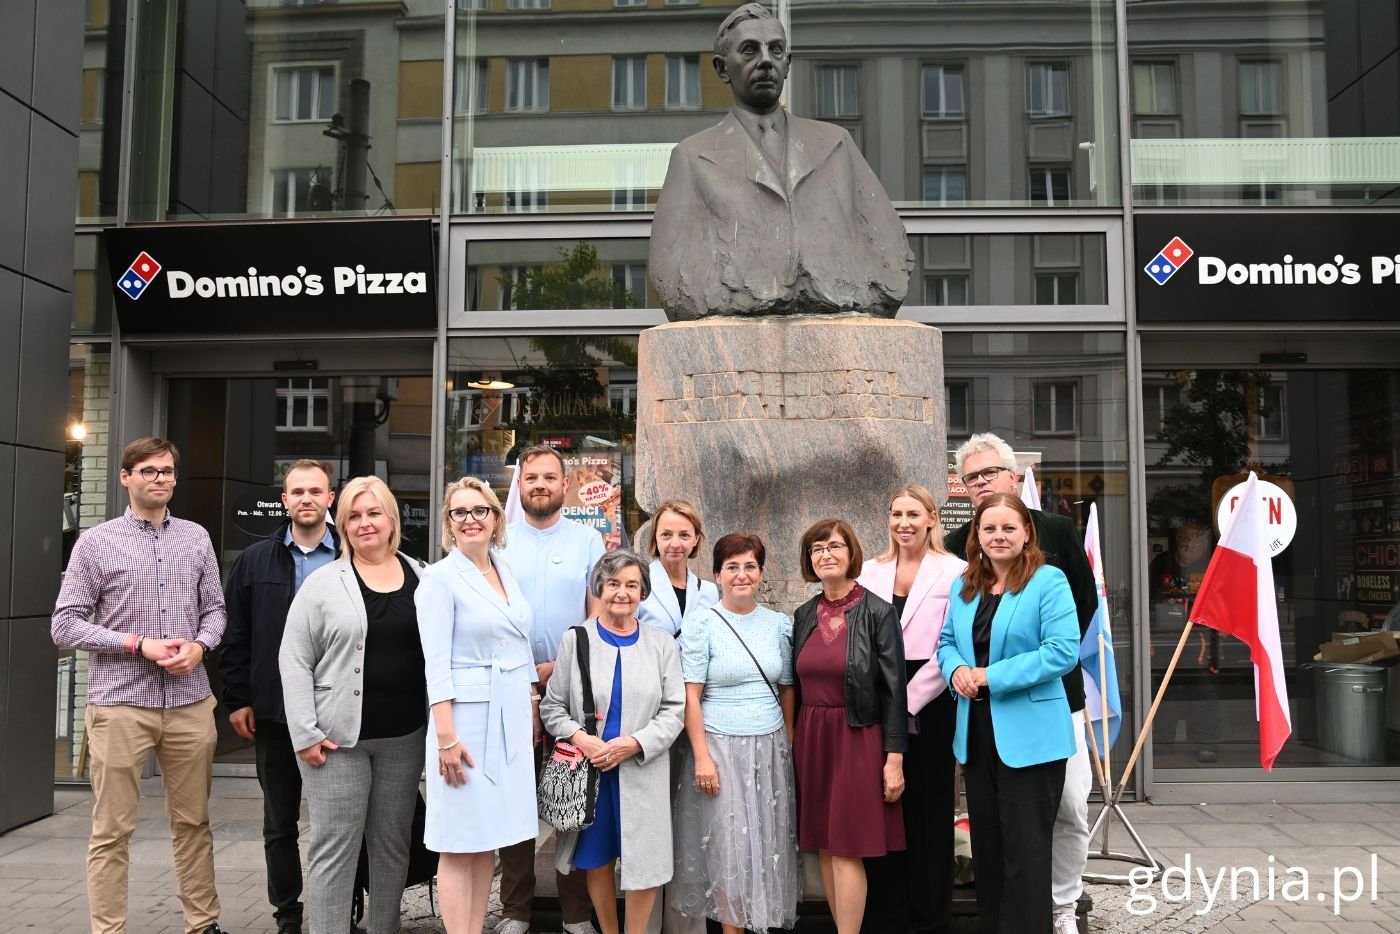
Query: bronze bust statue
{"x": 771, "y": 214}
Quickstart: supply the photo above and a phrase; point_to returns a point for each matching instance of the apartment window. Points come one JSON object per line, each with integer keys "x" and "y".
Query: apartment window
{"x": 1154, "y": 88}
{"x": 303, "y": 94}
{"x": 304, "y": 404}
{"x": 945, "y": 290}
{"x": 1261, "y": 88}
{"x": 957, "y": 394}
{"x": 527, "y": 4}
{"x": 629, "y": 2}
{"x": 94, "y": 96}
{"x": 292, "y": 192}
{"x": 1049, "y": 185}
{"x": 622, "y": 398}
{"x": 1272, "y": 412}
{"x": 1158, "y": 399}
{"x": 629, "y": 199}
{"x": 945, "y": 184}
{"x": 469, "y": 86}
{"x": 1053, "y": 408}
{"x": 838, "y": 91}
{"x": 1057, "y": 288}
{"x": 943, "y": 92}
{"x": 506, "y": 282}
{"x": 527, "y": 201}
{"x": 629, "y": 285}
{"x": 629, "y": 82}
{"x": 682, "y": 2}
{"x": 1047, "y": 89}
{"x": 527, "y": 84}
{"x": 682, "y": 81}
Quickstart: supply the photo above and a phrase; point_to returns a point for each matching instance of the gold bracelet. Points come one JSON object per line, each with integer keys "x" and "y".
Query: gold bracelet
{"x": 449, "y": 745}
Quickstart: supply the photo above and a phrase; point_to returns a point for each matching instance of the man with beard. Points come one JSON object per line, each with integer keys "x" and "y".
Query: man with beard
{"x": 551, "y": 557}
{"x": 264, "y": 579}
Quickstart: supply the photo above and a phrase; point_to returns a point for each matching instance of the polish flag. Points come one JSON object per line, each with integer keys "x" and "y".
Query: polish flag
{"x": 1237, "y": 598}
{"x": 1030, "y": 490}
{"x": 513, "y": 508}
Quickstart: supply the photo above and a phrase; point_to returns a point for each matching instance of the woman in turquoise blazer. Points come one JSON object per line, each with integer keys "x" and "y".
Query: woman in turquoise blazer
{"x": 1010, "y": 636}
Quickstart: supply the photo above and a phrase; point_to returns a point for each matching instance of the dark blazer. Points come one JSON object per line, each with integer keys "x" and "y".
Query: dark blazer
{"x": 258, "y": 594}
{"x": 1063, "y": 546}
{"x": 875, "y": 678}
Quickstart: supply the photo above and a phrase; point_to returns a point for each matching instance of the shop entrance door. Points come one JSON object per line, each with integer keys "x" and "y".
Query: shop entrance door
{"x": 238, "y": 435}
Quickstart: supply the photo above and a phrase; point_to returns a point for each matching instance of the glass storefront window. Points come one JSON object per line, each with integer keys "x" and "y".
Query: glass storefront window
{"x": 92, "y": 296}
{"x": 266, "y": 108}
{"x": 1327, "y": 438}
{"x": 1009, "y": 269}
{"x": 557, "y": 274}
{"x": 1284, "y": 104}
{"x": 99, "y": 122}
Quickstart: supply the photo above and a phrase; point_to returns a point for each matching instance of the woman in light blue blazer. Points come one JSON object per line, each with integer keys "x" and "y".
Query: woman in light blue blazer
{"x": 475, "y": 627}
{"x": 1010, "y": 636}
{"x": 677, "y": 535}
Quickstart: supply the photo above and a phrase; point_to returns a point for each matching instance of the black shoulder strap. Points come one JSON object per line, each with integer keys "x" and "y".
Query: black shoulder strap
{"x": 752, "y": 657}
{"x": 585, "y": 675}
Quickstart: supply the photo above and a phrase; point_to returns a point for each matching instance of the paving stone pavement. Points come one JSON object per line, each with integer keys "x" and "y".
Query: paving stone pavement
{"x": 42, "y": 886}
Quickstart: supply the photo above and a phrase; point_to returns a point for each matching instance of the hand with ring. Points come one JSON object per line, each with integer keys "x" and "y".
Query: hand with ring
{"x": 706, "y": 776}
{"x": 453, "y": 761}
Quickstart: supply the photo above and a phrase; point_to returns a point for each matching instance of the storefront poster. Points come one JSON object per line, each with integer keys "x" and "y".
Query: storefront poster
{"x": 594, "y": 496}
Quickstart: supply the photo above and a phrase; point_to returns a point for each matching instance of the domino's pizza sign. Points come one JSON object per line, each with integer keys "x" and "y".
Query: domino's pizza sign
{"x": 1165, "y": 264}
{"x": 247, "y": 278}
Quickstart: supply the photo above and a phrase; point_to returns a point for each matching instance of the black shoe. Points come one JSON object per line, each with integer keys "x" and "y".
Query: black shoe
{"x": 288, "y": 927}
{"x": 214, "y": 929}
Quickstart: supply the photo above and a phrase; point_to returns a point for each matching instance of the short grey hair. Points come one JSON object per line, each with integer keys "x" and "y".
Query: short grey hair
{"x": 743, "y": 14}
{"x": 986, "y": 442}
{"x": 614, "y": 563}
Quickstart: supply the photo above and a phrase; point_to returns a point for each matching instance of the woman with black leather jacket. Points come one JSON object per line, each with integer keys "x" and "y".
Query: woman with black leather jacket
{"x": 852, "y": 726}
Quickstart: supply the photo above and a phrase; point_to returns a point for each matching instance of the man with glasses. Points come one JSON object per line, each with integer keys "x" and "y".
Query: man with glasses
{"x": 141, "y": 596}
{"x": 987, "y": 465}
{"x": 551, "y": 558}
{"x": 261, "y": 585}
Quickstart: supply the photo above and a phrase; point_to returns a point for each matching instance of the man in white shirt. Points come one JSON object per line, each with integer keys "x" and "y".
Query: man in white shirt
{"x": 551, "y": 557}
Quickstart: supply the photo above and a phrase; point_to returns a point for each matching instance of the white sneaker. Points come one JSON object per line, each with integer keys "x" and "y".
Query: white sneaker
{"x": 1066, "y": 922}
{"x": 513, "y": 926}
{"x": 580, "y": 927}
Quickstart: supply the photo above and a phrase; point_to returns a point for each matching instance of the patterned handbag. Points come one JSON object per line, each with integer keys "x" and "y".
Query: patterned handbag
{"x": 568, "y": 789}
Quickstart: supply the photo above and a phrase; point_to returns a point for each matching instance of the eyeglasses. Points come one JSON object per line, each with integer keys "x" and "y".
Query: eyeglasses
{"x": 830, "y": 549}
{"x": 750, "y": 568}
{"x": 150, "y": 473}
{"x": 986, "y": 475}
{"x": 460, "y": 514}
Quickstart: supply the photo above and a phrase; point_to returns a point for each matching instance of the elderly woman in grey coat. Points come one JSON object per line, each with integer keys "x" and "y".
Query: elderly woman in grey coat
{"x": 639, "y": 697}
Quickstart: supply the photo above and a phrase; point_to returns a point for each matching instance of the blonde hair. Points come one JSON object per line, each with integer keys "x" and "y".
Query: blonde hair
{"x": 349, "y": 493}
{"x": 934, "y": 542}
{"x": 687, "y": 512}
{"x": 498, "y": 534}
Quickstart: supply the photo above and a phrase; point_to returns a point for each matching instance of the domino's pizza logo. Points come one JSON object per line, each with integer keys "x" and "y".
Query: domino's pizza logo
{"x": 1165, "y": 264}
{"x": 138, "y": 275}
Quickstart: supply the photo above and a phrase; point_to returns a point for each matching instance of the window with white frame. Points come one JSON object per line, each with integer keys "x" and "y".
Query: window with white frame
{"x": 946, "y": 289}
{"x": 622, "y": 398}
{"x": 469, "y": 86}
{"x": 303, "y": 93}
{"x": 629, "y": 285}
{"x": 1158, "y": 399}
{"x": 945, "y": 184}
{"x": 507, "y": 280}
{"x": 957, "y": 395}
{"x": 629, "y": 199}
{"x": 1047, "y": 89}
{"x": 838, "y": 91}
{"x": 527, "y": 84}
{"x": 629, "y": 77}
{"x": 527, "y": 4}
{"x": 1054, "y": 405}
{"x": 1272, "y": 412}
{"x": 682, "y": 82}
{"x": 304, "y": 404}
{"x": 943, "y": 93}
{"x": 292, "y": 191}
{"x": 629, "y": 2}
{"x": 1261, "y": 88}
{"x": 1049, "y": 185}
{"x": 1154, "y": 88}
{"x": 1057, "y": 288}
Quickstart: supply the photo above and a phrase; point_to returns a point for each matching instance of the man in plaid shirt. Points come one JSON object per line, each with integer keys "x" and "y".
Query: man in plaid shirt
{"x": 141, "y": 595}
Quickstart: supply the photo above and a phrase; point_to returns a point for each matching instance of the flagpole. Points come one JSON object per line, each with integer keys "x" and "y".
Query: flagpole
{"x": 1098, "y": 761}
{"x": 1103, "y": 699}
{"x": 1152, "y": 713}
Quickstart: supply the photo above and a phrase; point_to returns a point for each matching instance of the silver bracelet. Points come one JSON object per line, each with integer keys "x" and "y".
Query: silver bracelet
{"x": 449, "y": 745}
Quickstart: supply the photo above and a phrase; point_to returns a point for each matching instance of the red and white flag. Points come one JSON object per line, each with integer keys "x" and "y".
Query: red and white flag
{"x": 1237, "y": 598}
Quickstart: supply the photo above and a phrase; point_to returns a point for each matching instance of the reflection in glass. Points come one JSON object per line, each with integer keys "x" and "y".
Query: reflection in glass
{"x": 1288, "y": 104}
{"x": 1009, "y": 269}
{"x": 99, "y": 121}
{"x": 557, "y": 274}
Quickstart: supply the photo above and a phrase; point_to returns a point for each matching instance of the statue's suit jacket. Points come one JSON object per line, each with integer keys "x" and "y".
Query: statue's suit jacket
{"x": 733, "y": 237}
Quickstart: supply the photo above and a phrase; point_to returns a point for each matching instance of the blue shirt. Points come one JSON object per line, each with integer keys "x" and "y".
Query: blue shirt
{"x": 305, "y": 562}
{"x": 736, "y": 701}
{"x": 551, "y": 566}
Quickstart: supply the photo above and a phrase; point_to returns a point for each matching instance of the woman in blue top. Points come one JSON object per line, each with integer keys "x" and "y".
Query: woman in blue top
{"x": 639, "y": 698}
{"x": 736, "y": 829}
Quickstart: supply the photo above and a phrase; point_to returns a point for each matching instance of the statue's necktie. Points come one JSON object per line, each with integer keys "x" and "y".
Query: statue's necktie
{"x": 771, "y": 142}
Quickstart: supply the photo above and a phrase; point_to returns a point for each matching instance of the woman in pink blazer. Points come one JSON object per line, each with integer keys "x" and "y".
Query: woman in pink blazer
{"x": 913, "y": 890}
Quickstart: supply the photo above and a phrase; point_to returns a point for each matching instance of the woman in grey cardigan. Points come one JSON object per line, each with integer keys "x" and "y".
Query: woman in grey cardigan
{"x": 356, "y": 700}
{"x": 639, "y": 698}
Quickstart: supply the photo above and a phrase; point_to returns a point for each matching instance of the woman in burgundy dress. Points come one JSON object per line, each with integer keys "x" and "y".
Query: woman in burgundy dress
{"x": 852, "y": 728}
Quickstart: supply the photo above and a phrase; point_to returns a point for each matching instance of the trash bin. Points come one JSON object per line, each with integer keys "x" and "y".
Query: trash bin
{"x": 1351, "y": 710}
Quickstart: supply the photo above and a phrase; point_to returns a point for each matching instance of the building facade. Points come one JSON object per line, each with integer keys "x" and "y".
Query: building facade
{"x": 1037, "y": 151}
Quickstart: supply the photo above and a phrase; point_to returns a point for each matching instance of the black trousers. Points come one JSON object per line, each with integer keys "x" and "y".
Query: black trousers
{"x": 1012, "y": 817}
{"x": 912, "y": 891}
{"x": 280, "y": 780}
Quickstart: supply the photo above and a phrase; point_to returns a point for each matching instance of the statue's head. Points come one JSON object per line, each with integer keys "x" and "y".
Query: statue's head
{"x": 751, "y": 56}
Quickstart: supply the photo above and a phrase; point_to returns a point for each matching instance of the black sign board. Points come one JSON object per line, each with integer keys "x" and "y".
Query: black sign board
{"x": 265, "y": 278}
{"x": 1274, "y": 266}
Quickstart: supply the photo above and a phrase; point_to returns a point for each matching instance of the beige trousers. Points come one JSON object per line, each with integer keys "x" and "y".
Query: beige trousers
{"x": 119, "y": 740}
